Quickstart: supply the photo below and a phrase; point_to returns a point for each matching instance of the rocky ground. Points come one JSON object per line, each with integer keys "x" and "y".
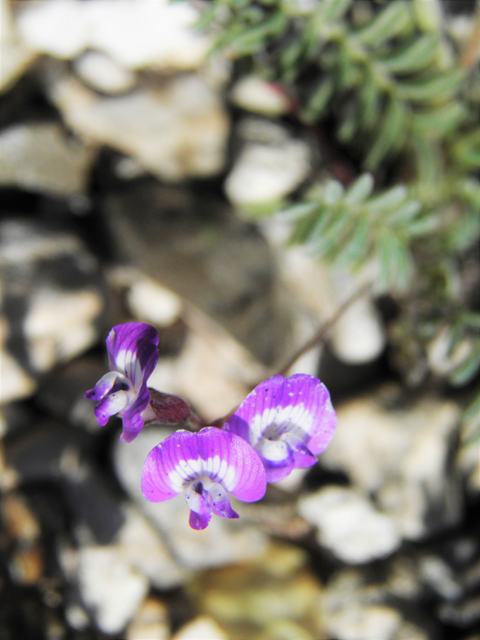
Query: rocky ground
{"x": 126, "y": 157}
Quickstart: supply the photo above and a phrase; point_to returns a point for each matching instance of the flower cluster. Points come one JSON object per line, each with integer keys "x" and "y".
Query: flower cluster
{"x": 283, "y": 424}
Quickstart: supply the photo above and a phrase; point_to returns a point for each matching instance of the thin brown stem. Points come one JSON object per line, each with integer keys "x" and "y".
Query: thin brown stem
{"x": 317, "y": 338}
{"x": 322, "y": 332}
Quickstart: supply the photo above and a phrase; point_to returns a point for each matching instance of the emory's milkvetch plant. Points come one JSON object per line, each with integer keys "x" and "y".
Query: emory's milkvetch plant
{"x": 284, "y": 423}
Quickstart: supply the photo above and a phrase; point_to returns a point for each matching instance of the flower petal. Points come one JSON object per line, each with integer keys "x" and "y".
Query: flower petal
{"x": 300, "y": 404}
{"x": 184, "y": 456}
{"x": 110, "y": 405}
{"x": 106, "y": 384}
{"x": 165, "y": 472}
{"x": 200, "y": 509}
{"x": 132, "y": 350}
{"x": 228, "y": 459}
{"x": 132, "y": 419}
{"x": 220, "y": 502}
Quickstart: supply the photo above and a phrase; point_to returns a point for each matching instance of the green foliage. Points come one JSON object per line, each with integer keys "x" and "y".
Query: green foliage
{"x": 392, "y": 82}
{"x": 388, "y": 81}
{"x": 349, "y": 227}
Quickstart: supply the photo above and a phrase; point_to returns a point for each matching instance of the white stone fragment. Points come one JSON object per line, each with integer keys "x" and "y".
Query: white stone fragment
{"x": 39, "y": 157}
{"x": 150, "y": 623}
{"x": 15, "y": 55}
{"x": 175, "y": 129}
{"x": 140, "y": 544}
{"x": 403, "y": 456}
{"x": 266, "y": 171}
{"x": 155, "y": 34}
{"x": 252, "y": 93}
{"x": 15, "y": 383}
{"x": 150, "y": 302}
{"x": 110, "y": 587}
{"x": 202, "y": 628}
{"x": 348, "y": 525}
{"x": 60, "y": 325}
{"x": 100, "y": 72}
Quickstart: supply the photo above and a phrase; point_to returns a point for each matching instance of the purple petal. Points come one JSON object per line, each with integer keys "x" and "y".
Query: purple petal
{"x": 132, "y": 350}
{"x": 109, "y": 406}
{"x": 232, "y": 461}
{"x": 184, "y": 456}
{"x": 299, "y": 404}
{"x": 132, "y": 419}
{"x": 220, "y": 502}
{"x": 200, "y": 509}
{"x": 104, "y": 385}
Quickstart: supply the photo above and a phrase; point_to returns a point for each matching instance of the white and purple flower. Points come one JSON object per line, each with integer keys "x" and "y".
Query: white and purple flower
{"x": 132, "y": 356}
{"x": 288, "y": 421}
{"x": 206, "y": 465}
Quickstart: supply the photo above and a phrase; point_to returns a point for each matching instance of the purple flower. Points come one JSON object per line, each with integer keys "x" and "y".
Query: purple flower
{"x": 206, "y": 465}
{"x": 288, "y": 421}
{"x": 132, "y": 356}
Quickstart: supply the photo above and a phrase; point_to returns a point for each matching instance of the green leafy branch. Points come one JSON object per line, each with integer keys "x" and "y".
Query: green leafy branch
{"x": 388, "y": 79}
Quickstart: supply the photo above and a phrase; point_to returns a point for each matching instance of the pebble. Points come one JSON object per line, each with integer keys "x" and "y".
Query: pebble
{"x": 150, "y": 622}
{"x": 255, "y": 94}
{"x": 271, "y": 165}
{"x": 39, "y": 157}
{"x": 156, "y": 35}
{"x": 202, "y": 628}
{"x": 102, "y": 73}
{"x": 150, "y": 302}
{"x": 111, "y": 588}
{"x": 404, "y": 456}
{"x": 349, "y": 525}
{"x": 16, "y": 55}
{"x": 52, "y": 299}
{"x": 175, "y": 128}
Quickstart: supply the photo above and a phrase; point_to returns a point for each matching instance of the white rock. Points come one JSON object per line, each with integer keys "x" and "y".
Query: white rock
{"x": 152, "y": 303}
{"x": 174, "y": 129}
{"x": 60, "y": 325}
{"x": 222, "y": 542}
{"x": 56, "y": 27}
{"x": 102, "y": 73}
{"x": 349, "y": 525}
{"x": 15, "y": 383}
{"x": 139, "y": 544}
{"x": 15, "y": 55}
{"x": 39, "y": 157}
{"x": 365, "y": 623}
{"x": 150, "y": 623}
{"x": 253, "y": 93}
{"x": 403, "y": 456}
{"x": 267, "y": 169}
{"x": 202, "y": 628}
{"x": 110, "y": 587}
{"x": 136, "y": 34}
{"x": 213, "y": 371}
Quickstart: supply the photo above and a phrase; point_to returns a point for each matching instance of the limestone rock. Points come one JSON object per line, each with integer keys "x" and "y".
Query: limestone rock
{"x": 39, "y": 157}
{"x": 271, "y": 165}
{"x": 52, "y": 298}
{"x": 202, "y": 628}
{"x": 16, "y": 56}
{"x": 402, "y": 455}
{"x": 252, "y": 93}
{"x": 157, "y": 35}
{"x": 175, "y": 128}
{"x": 151, "y": 621}
{"x": 348, "y": 525}
{"x": 102, "y": 73}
